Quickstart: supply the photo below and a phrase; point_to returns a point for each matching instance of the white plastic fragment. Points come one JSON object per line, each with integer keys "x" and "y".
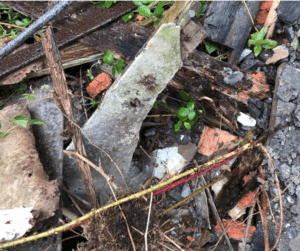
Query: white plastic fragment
{"x": 246, "y": 120}
{"x": 14, "y": 223}
{"x": 168, "y": 161}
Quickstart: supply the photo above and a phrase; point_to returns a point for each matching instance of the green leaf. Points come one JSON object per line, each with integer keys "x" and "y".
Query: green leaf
{"x": 36, "y": 122}
{"x": 190, "y": 105}
{"x": 187, "y": 125}
{"x": 127, "y": 17}
{"x": 119, "y": 65}
{"x": 21, "y": 120}
{"x": 268, "y": 44}
{"x": 254, "y": 35}
{"x": 261, "y": 34}
{"x": 192, "y": 115}
{"x": 109, "y": 58}
{"x": 210, "y": 47}
{"x": 138, "y": 3}
{"x": 184, "y": 95}
{"x": 94, "y": 102}
{"x": 13, "y": 34}
{"x": 182, "y": 111}
{"x": 0, "y": 126}
{"x": 156, "y": 23}
{"x": 144, "y": 10}
{"x": 29, "y": 96}
{"x": 155, "y": 105}
{"x": 252, "y": 42}
{"x": 19, "y": 23}
{"x": 159, "y": 10}
{"x": 113, "y": 71}
{"x": 257, "y": 50}
{"x": 107, "y": 4}
{"x": 177, "y": 126}
{"x": 4, "y": 134}
{"x": 148, "y": 2}
{"x": 195, "y": 119}
{"x": 295, "y": 43}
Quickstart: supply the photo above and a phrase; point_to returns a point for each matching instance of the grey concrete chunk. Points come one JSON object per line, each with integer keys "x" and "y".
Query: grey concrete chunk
{"x": 115, "y": 125}
{"x": 284, "y": 108}
{"x": 289, "y": 87}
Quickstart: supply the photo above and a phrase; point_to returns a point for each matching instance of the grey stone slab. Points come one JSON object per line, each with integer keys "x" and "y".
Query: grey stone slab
{"x": 115, "y": 125}
{"x": 289, "y": 11}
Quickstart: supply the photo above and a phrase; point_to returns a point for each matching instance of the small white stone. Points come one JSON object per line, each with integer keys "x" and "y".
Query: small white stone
{"x": 246, "y": 120}
{"x": 192, "y": 13}
{"x": 245, "y": 53}
{"x": 186, "y": 191}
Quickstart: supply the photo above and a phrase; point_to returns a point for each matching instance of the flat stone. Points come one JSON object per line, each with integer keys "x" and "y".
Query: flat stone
{"x": 285, "y": 108}
{"x": 112, "y": 133}
{"x": 280, "y": 52}
{"x": 289, "y": 79}
{"x": 288, "y": 11}
{"x": 234, "y": 78}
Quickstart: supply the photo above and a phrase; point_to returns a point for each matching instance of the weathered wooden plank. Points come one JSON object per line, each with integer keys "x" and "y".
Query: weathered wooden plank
{"x": 70, "y": 27}
{"x": 228, "y": 23}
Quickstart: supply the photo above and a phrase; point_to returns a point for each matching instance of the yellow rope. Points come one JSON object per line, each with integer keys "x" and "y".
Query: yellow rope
{"x": 123, "y": 200}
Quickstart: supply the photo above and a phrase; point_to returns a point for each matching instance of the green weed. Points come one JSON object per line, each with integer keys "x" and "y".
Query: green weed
{"x": 187, "y": 114}
{"x": 258, "y": 41}
{"x": 117, "y": 66}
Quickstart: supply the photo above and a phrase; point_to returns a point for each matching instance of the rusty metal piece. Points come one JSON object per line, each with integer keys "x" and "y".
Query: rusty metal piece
{"x": 79, "y": 19}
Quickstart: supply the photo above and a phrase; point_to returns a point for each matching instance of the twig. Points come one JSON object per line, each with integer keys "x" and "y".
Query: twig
{"x": 63, "y": 101}
{"x": 200, "y": 190}
{"x": 124, "y": 217}
{"x": 76, "y": 197}
{"x": 148, "y": 220}
{"x": 97, "y": 168}
{"x": 216, "y": 214}
{"x": 264, "y": 213}
{"x": 165, "y": 246}
{"x": 126, "y": 199}
{"x": 297, "y": 176}
{"x": 38, "y": 24}
{"x": 249, "y": 13}
{"x": 13, "y": 25}
{"x": 243, "y": 247}
{"x": 174, "y": 243}
{"x": 279, "y": 194}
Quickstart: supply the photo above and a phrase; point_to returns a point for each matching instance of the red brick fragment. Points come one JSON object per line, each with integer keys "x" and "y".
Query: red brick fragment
{"x": 236, "y": 229}
{"x": 263, "y": 12}
{"x": 100, "y": 83}
{"x": 212, "y": 139}
{"x": 140, "y": 18}
{"x": 247, "y": 201}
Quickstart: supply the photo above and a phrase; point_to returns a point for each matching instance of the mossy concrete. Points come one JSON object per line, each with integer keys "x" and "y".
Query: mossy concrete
{"x": 115, "y": 125}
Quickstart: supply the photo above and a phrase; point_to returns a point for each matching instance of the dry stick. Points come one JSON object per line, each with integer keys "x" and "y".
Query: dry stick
{"x": 264, "y": 214}
{"x": 174, "y": 243}
{"x": 279, "y": 194}
{"x": 216, "y": 214}
{"x": 123, "y": 215}
{"x": 60, "y": 84}
{"x": 270, "y": 22}
{"x": 97, "y": 168}
{"x": 200, "y": 190}
{"x": 148, "y": 220}
{"x": 243, "y": 247}
{"x": 76, "y": 197}
{"x": 165, "y": 246}
{"x": 91, "y": 214}
{"x": 249, "y": 13}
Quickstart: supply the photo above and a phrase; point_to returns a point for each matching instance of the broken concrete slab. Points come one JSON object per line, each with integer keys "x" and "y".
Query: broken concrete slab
{"x": 22, "y": 180}
{"x": 112, "y": 133}
{"x": 280, "y": 52}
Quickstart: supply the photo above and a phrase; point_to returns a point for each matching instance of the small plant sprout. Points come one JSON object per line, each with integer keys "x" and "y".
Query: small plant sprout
{"x": 210, "y": 47}
{"x": 22, "y": 120}
{"x": 90, "y": 72}
{"x": 144, "y": 10}
{"x": 106, "y": 4}
{"x": 187, "y": 114}
{"x": 117, "y": 66}
{"x": 258, "y": 41}
{"x": 94, "y": 102}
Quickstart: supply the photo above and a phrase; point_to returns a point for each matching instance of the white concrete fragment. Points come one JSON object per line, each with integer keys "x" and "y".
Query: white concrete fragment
{"x": 218, "y": 186}
{"x": 168, "y": 161}
{"x": 244, "y": 54}
{"x": 14, "y": 223}
{"x": 246, "y": 120}
{"x": 236, "y": 212}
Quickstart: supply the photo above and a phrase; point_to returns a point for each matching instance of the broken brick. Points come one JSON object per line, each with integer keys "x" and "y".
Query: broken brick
{"x": 100, "y": 83}
{"x": 140, "y": 18}
{"x": 247, "y": 201}
{"x": 236, "y": 229}
{"x": 212, "y": 139}
{"x": 263, "y": 12}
